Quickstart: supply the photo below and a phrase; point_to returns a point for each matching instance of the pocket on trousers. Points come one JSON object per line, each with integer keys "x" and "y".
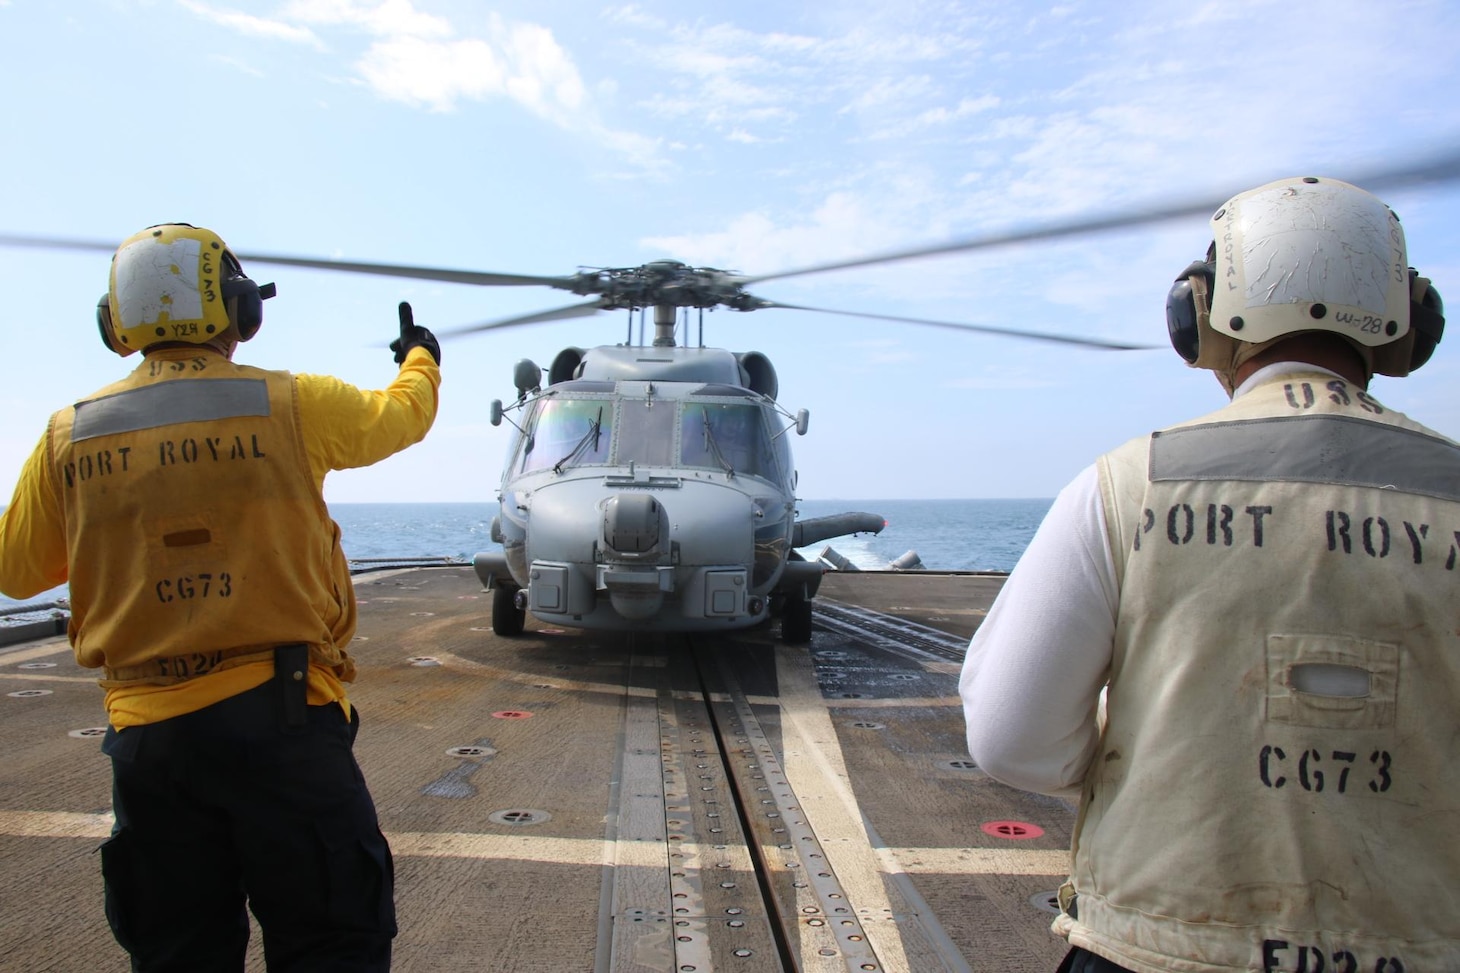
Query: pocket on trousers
{"x": 121, "y": 888}
{"x": 362, "y": 882}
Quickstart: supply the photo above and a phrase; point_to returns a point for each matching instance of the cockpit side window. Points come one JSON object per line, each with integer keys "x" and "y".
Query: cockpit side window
{"x": 781, "y": 445}
{"x": 572, "y": 431}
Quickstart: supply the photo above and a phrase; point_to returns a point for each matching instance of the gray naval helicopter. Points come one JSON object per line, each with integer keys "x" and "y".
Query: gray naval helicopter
{"x": 650, "y": 486}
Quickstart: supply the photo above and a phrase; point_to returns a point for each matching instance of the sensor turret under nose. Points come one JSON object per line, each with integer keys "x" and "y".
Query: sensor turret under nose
{"x": 632, "y": 523}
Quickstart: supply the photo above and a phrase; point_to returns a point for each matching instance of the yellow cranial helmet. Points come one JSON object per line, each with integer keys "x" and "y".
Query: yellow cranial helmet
{"x": 176, "y": 283}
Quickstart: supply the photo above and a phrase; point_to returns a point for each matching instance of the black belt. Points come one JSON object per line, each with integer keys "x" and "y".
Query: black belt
{"x": 291, "y": 677}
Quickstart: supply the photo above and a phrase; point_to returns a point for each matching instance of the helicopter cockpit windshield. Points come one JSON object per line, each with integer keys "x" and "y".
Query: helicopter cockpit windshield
{"x": 646, "y": 432}
{"x": 587, "y": 428}
{"x": 568, "y": 432}
{"x": 730, "y": 438}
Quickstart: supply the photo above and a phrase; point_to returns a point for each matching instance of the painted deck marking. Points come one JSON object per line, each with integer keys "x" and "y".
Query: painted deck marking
{"x": 579, "y": 851}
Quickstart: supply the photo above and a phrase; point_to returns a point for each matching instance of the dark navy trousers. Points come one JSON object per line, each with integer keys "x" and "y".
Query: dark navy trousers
{"x": 231, "y": 808}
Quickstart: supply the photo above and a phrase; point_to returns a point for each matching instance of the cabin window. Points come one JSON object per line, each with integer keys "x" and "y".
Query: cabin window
{"x": 570, "y": 432}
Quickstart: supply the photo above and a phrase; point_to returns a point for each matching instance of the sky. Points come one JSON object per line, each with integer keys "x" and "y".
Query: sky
{"x": 756, "y": 136}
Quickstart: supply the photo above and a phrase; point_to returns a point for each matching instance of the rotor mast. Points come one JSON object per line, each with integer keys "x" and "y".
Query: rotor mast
{"x": 666, "y": 320}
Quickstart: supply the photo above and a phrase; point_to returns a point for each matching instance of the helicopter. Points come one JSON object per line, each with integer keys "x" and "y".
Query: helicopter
{"x": 658, "y": 480}
{"x": 650, "y": 486}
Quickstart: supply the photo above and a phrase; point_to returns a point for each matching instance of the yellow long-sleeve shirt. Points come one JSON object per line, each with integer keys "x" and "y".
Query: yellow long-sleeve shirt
{"x": 340, "y": 427}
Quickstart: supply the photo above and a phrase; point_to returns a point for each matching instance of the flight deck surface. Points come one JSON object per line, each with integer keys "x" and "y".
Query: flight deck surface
{"x": 570, "y": 801}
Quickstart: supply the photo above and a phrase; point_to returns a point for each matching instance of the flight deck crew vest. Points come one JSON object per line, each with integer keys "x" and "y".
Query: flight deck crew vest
{"x": 197, "y": 539}
{"x": 1278, "y": 780}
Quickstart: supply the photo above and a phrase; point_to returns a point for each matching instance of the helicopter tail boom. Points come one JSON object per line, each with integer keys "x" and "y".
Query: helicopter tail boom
{"x": 817, "y": 529}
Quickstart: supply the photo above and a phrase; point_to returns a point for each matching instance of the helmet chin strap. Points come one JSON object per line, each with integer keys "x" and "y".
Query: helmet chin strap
{"x": 224, "y": 342}
{"x": 1246, "y": 351}
{"x": 1216, "y": 352}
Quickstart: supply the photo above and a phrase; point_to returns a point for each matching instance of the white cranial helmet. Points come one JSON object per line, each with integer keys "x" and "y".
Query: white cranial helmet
{"x": 1309, "y": 254}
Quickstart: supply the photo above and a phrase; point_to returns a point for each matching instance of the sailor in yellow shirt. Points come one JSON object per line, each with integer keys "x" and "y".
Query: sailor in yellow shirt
{"x": 184, "y": 507}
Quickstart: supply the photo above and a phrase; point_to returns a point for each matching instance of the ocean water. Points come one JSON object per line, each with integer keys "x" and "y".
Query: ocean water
{"x": 946, "y": 535}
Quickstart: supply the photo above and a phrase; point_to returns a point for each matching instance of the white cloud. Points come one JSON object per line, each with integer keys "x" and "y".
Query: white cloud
{"x": 633, "y": 15}
{"x": 239, "y": 64}
{"x": 255, "y": 26}
{"x": 840, "y": 227}
{"x": 544, "y": 77}
{"x": 889, "y": 74}
{"x": 417, "y": 71}
{"x": 391, "y": 18}
{"x": 891, "y": 91}
{"x": 1083, "y": 112}
{"x": 416, "y": 62}
{"x": 421, "y": 59}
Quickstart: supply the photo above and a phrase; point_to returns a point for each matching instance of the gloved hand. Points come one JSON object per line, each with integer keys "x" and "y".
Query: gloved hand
{"x": 413, "y": 335}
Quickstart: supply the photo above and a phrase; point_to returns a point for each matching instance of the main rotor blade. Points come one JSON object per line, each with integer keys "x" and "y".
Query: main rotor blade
{"x": 481, "y": 277}
{"x": 53, "y": 243}
{"x": 558, "y": 314}
{"x": 980, "y": 328}
{"x": 1444, "y": 167}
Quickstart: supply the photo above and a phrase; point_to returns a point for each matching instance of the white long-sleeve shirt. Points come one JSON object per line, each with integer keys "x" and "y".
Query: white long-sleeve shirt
{"x": 1035, "y": 670}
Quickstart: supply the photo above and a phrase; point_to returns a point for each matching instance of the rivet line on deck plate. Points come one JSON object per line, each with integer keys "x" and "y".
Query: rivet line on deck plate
{"x": 886, "y": 631}
{"x": 789, "y": 821}
{"x": 692, "y": 937}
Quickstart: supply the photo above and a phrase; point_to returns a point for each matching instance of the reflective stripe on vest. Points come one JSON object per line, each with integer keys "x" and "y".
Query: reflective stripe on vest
{"x": 1337, "y": 450}
{"x": 181, "y": 400}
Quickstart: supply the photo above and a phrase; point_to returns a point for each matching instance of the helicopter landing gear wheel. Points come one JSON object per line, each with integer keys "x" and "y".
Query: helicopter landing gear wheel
{"x": 507, "y": 618}
{"x": 796, "y": 621}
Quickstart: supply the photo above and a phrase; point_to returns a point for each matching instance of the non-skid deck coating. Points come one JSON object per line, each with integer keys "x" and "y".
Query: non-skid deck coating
{"x": 565, "y": 801}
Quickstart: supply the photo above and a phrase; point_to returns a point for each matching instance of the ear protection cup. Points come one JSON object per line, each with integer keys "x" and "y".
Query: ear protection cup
{"x": 1426, "y": 320}
{"x": 104, "y": 322}
{"x": 245, "y": 306}
{"x": 1183, "y": 318}
{"x": 242, "y": 298}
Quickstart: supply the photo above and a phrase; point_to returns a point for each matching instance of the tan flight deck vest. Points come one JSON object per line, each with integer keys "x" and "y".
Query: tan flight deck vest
{"x": 1278, "y": 781}
{"x": 196, "y": 537}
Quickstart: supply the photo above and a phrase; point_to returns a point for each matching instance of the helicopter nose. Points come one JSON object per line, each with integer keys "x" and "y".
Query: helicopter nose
{"x": 633, "y": 524}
